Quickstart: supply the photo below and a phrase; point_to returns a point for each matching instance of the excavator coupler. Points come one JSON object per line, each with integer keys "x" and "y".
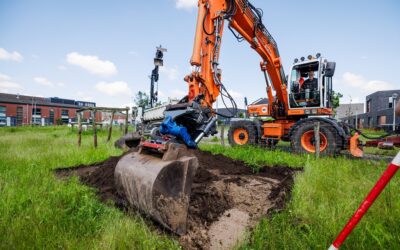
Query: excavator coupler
{"x": 157, "y": 180}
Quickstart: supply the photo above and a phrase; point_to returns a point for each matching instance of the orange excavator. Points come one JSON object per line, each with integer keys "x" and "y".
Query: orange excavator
{"x": 157, "y": 178}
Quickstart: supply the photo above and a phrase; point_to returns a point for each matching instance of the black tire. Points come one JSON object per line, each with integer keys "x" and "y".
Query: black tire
{"x": 328, "y": 133}
{"x": 245, "y": 129}
{"x": 345, "y": 128}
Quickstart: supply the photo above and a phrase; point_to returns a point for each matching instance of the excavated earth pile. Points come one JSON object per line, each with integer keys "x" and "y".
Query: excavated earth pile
{"x": 227, "y": 198}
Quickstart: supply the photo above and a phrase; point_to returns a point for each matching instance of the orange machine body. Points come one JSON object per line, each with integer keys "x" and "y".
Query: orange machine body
{"x": 205, "y": 82}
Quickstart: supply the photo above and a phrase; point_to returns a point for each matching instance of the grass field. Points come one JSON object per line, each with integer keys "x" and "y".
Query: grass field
{"x": 39, "y": 211}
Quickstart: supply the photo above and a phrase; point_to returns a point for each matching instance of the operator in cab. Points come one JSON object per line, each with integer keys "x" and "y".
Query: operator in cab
{"x": 311, "y": 83}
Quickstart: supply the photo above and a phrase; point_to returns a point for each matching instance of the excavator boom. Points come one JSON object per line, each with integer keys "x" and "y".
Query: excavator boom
{"x": 246, "y": 20}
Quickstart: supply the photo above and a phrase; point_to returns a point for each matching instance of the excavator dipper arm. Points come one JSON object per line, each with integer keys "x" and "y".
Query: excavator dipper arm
{"x": 204, "y": 82}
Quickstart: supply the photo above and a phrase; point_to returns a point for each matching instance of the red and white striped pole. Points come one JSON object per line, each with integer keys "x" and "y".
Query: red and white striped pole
{"x": 369, "y": 200}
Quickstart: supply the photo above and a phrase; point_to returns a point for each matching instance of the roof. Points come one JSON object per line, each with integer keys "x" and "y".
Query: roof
{"x": 260, "y": 101}
{"x": 384, "y": 92}
{"x": 24, "y": 99}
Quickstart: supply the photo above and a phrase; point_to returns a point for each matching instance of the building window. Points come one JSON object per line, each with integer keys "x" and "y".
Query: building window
{"x": 3, "y": 118}
{"x": 36, "y": 115}
{"x": 64, "y": 112}
{"x": 382, "y": 120}
{"x": 65, "y": 116}
{"x": 20, "y": 116}
{"x": 368, "y": 106}
{"x": 390, "y": 102}
{"x": 369, "y": 122}
{"x": 51, "y": 118}
{"x": 36, "y": 111}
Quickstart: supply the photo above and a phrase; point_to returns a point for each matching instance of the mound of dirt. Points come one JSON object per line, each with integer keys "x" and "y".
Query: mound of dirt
{"x": 227, "y": 198}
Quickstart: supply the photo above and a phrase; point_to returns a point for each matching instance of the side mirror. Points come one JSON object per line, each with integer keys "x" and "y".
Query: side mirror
{"x": 330, "y": 69}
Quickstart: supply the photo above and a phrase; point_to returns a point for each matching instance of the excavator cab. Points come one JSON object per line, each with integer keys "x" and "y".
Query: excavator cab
{"x": 310, "y": 84}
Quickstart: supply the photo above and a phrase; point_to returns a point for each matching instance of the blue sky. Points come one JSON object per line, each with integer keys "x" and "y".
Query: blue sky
{"x": 102, "y": 50}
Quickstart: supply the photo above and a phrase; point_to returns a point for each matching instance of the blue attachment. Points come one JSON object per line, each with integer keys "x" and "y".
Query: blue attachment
{"x": 169, "y": 127}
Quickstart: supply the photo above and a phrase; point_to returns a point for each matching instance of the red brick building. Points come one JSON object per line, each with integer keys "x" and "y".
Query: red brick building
{"x": 18, "y": 110}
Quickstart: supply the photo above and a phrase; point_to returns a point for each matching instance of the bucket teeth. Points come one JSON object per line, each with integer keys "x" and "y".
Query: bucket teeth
{"x": 159, "y": 184}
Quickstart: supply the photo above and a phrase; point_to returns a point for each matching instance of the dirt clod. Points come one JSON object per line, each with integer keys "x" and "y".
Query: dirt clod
{"x": 227, "y": 197}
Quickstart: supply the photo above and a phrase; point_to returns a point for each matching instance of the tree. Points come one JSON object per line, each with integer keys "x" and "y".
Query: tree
{"x": 141, "y": 99}
{"x": 335, "y": 101}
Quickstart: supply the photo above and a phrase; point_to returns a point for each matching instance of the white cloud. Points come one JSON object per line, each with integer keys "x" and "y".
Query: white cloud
{"x": 177, "y": 93}
{"x": 61, "y": 84}
{"x": 82, "y": 96}
{"x": 353, "y": 79}
{"x": 9, "y": 85}
{"x": 185, "y": 4}
{"x": 376, "y": 85}
{"x": 235, "y": 94}
{"x": 170, "y": 73}
{"x": 118, "y": 88}
{"x": 6, "y": 84}
{"x": 132, "y": 52}
{"x": 43, "y": 81}
{"x": 92, "y": 64}
{"x": 12, "y": 56}
{"x": 355, "y": 100}
{"x": 355, "y": 87}
{"x": 129, "y": 105}
{"x": 4, "y": 77}
{"x": 161, "y": 94}
{"x": 364, "y": 85}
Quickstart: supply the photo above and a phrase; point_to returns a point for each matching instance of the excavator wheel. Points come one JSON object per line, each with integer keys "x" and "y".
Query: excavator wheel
{"x": 303, "y": 140}
{"x": 242, "y": 133}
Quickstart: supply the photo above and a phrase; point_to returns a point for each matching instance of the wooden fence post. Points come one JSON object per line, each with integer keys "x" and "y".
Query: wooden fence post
{"x": 79, "y": 129}
{"x": 316, "y": 138}
{"x": 223, "y": 134}
{"x": 94, "y": 129}
{"x": 126, "y": 120}
{"x": 110, "y": 128}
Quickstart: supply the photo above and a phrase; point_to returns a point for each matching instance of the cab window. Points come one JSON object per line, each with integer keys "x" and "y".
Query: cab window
{"x": 304, "y": 88}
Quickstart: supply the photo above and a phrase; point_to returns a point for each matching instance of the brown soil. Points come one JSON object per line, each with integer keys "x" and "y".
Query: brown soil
{"x": 227, "y": 197}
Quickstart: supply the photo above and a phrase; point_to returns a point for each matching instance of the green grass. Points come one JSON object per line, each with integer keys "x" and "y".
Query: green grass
{"x": 324, "y": 197}
{"x": 39, "y": 211}
{"x": 378, "y": 151}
